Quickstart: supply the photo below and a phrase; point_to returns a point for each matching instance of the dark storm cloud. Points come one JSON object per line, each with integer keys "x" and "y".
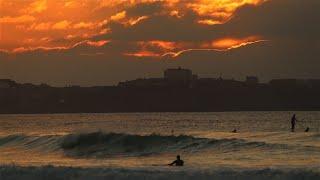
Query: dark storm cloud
{"x": 292, "y": 26}
{"x": 162, "y": 27}
{"x": 278, "y": 19}
{"x": 273, "y": 19}
{"x": 146, "y": 9}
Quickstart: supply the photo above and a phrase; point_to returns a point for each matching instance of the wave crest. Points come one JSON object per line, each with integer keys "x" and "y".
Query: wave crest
{"x": 99, "y": 143}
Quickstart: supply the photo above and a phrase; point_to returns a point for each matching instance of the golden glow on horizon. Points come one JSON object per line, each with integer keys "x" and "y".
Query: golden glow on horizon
{"x": 226, "y": 43}
{"x": 221, "y": 9}
{"x": 176, "y": 54}
{"x": 209, "y": 22}
{"x": 173, "y": 49}
{"x": 43, "y": 48}
{"x": 143, "y": 54}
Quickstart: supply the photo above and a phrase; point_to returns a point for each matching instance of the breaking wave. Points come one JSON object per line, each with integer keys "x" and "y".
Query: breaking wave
{"x": 98, "y": 144}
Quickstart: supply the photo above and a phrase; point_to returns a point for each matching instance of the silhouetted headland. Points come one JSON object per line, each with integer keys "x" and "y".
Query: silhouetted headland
{"x": 178, "y": 91}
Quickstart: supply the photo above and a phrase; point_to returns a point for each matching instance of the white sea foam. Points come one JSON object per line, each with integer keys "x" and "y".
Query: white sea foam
{"x": 63, "y": 173}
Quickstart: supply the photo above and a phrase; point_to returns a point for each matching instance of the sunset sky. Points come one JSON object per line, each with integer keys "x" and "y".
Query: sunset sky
{"x": 101, "y": 42}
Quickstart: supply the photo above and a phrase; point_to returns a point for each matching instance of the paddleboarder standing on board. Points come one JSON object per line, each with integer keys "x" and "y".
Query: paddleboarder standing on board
{"x": 293, "y": 122}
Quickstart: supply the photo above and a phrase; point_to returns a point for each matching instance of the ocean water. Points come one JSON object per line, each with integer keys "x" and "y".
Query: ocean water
{"x": 140, "y": 145}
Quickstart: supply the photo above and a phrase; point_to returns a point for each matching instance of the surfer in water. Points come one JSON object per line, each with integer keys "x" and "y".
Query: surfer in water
{"x": 177, "y": 162}
{"x": 307, "y": 130}
{"x": 293, "y": 122}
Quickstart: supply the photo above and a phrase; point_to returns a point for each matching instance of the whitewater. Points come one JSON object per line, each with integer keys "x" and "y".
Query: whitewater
{"x": 140, "y": 145}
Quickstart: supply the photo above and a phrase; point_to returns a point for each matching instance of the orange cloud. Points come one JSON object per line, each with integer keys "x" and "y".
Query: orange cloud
{"x": 222, "y": 45}
{"x": 43, "y": 48}
{"x": 69, "y": 37}
{"x": 41, "y": 26}
{"x": 209, "y": 22}
{"x": 119, "y": 16}
{"x": 143, "y": 54}
{"x": 174, "y": 49}
{"x": 24, "y": 49}
{"x": 61, "y": 25}
{"x": 37, "y": 7}
{"x": 83, "y": 25}
{"x": 133, "y": 21}
{"x": 97, "y": 43}
{"x": 154, "y": 48}
{"x": 17, "y": 20}
{"x": 175, "y": 13}
{"x": 226, "y": 43}
{"x": 219, "y": 9}
{"x": 82, "y": 19}
{"x": 165, "y": 45}
{"x": 71, "y": 4}
{"x": 178, "y": 53}
{"x": 128, "y": 21}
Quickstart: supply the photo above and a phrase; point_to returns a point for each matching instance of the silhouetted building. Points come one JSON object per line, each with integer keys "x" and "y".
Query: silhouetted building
{"x": 180, "y": 77}
{"x": 172, "y": 78}
{"x": 179, "y": 74}
{"x": 314, "y": 83}
{"x": 295, "y": 83}
{"x": 28, "y": 85}
{"x": 252, "y": 81}
{"x": 7, "y": 83}
{"x": 208, "y": 82}
{"x": 218, "y": 83}
{"x": 44, "y": 85}
{"x": 140, "y": 83}
{"x": 283, "y": 83}
{"x": 184, "y": 93}
{"x": 184, "y": 78}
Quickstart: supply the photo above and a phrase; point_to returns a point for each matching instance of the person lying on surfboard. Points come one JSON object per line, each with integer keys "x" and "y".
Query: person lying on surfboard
{"x": 177, "y": 162}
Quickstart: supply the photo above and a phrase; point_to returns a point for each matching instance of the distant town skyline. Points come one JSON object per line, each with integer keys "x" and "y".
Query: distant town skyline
{"x": 180, "y": 78}
{"x": 103, "y": 42}
{"x": 178, "y": 90}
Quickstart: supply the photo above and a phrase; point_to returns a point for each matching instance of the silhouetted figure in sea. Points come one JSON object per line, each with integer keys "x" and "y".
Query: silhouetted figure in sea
{"x": 293, "y": 122}
{"x": 307, "y": 130}
{"x": 234, "y": 131}
{"x": 177, "y": 162}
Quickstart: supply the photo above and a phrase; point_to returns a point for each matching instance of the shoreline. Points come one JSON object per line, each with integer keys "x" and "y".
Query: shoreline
{"x": 151, "y": 112}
